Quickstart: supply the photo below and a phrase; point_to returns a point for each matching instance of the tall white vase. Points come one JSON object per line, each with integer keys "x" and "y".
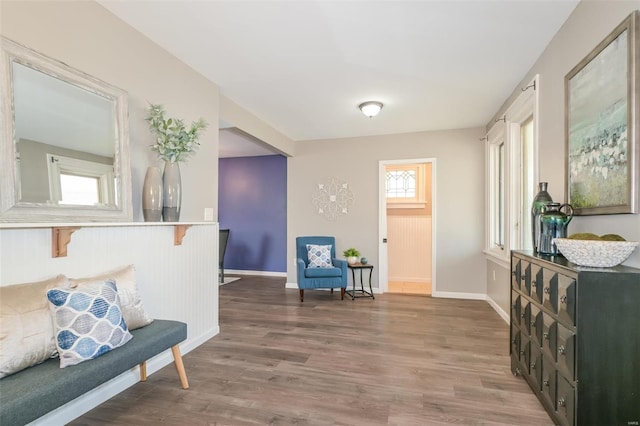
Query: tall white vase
{"x": 152, "y": 195}
{"x": 172, "y": 192}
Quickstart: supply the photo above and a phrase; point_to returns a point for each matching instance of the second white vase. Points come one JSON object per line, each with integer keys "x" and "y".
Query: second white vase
{"x": 152, "y": 195}
{"x": 171, "y": 192}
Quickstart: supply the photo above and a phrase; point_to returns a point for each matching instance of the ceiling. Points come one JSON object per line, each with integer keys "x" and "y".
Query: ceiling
{"x": 304, "y": 66}
{"x": 233, "y": 142}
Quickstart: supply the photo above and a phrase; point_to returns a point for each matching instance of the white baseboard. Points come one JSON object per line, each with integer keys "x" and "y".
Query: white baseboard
{"x": 260, "y": 273}
{"x": 193, "y": 343}
{"x": 498, "y": 309}
{"x": 457, "y": 295}
{"x": 445, "y": 295}
{"x": 84, "y": 403}
{"x": 474, "y": 296}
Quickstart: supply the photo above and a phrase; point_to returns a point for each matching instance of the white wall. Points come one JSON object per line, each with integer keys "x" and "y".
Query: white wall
{"x": 409, "y": 248}
{"x": 587, "y": 26}
{"x": 458, "y": 198}
{"x": 86, "y": 36}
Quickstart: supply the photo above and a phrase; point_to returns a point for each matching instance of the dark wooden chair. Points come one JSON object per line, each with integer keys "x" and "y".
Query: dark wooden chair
{"x": 224, "y": 238}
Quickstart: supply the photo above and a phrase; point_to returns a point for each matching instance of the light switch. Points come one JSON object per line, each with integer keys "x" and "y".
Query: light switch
{"x": 208, "y": 214}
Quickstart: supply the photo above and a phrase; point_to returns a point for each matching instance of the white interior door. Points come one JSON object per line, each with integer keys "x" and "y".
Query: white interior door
{"x": 383, "y": 221}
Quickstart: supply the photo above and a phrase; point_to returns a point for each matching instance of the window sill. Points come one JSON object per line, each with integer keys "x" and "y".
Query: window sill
{"x": 400, "y": 205}
{"x": 501, "y": 258}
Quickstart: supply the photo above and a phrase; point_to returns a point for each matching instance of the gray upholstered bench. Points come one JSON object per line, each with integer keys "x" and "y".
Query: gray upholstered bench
{"x": 35, "y": 391}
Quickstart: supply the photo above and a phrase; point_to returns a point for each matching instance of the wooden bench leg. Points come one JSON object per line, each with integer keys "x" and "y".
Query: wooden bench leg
{"x": 177, "y": 357}
{"x": 143, "y": 371}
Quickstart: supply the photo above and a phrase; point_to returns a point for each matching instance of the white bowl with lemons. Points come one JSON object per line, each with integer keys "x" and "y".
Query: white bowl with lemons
{"x": 597, "y": 252}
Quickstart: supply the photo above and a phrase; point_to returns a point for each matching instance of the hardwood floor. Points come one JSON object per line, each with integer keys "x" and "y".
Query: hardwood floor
{"x": 395, "y": 360}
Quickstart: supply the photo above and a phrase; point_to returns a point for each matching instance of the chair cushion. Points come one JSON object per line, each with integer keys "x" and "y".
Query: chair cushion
{"x": 319, "y": 256}
{"x": 322, "y": 272}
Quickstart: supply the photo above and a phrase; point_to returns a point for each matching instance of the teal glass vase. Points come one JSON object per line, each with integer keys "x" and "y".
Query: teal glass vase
{"x": 540, "y": 201}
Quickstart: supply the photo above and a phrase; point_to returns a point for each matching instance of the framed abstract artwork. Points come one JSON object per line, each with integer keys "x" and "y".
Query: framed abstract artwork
{"x": 602, "y": 125}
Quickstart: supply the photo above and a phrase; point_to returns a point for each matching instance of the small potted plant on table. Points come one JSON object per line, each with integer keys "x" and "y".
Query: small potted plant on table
{"x": 352, "y": 255}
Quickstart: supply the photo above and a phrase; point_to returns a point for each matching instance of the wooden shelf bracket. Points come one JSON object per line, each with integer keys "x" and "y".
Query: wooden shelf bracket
{"x": 60, "y": 239}
{"x": 179, "y": 231}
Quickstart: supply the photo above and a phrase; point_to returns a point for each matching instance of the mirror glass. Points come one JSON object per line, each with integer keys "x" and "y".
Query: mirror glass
{"x": 68, "y": 143}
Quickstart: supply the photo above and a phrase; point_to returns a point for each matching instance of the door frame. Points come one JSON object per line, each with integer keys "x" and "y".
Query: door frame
{"x": 383, "y": 259}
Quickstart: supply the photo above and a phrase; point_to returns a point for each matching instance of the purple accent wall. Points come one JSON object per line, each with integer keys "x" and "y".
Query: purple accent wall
{"x": 252, "y": 203}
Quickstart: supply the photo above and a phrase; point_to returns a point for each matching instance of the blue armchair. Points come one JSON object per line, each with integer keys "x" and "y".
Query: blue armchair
{"x": 334, "y": 276}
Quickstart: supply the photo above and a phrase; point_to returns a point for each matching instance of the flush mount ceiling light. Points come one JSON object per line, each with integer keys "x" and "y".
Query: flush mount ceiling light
{"x": 371, "y": 108}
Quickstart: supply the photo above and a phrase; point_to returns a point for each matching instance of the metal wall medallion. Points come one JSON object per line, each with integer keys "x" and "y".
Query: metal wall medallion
{"x": 332, "y": 198}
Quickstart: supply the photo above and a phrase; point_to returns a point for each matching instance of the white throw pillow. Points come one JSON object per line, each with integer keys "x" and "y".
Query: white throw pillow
{"x": 319, "y": 256}
{"x": 130, "y": 301}
{"x": 26, "y": 330}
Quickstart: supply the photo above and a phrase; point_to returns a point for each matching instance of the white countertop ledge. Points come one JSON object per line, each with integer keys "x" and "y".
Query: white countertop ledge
{"x": 23, "y": 225}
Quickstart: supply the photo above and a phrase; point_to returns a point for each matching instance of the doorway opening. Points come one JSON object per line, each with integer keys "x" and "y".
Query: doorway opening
{"x": 407, "y": 226}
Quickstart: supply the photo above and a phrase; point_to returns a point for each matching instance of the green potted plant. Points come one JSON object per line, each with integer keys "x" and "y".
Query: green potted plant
{"x": 173, "y": 144}
{"x": 352, "y": 255}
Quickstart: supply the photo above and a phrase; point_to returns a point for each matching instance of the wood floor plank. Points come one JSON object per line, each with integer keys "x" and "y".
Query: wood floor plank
{"x": 396, "y": 360}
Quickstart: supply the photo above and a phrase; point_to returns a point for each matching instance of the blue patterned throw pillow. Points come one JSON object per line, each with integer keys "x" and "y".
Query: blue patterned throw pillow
{"x": 87, "y": 321}
{"x": 319, "y": 256}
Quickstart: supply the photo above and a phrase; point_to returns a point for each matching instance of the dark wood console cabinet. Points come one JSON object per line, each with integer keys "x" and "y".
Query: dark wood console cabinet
{"x": 575, "y": 338}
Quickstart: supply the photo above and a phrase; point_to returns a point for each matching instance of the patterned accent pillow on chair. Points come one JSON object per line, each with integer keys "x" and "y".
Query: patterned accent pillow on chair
{"x": 319, "y": 256}
{"x": 87, "y": 321}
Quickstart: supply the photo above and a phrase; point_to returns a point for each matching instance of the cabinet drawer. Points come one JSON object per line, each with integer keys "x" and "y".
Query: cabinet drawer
{"x": 566, "y": 351}
{"x": 516, "y": 370}
{"x": 525, "y": 277}
{"x": 515, "y": 341}
{"x": 525, "y": 354}
{"x": 550, "y": 290}
{"x": 515, "y": 273}
{"x": 525, "y": 317}
{"x": 516, "y": 307}
{"x": 536, "y": 325}
{"x": 549, "y": 381}
{"x": 565, "y": 401}
{"x": 549, "y": 336}
{"x": 535, "y": 367}
{"x": 566, "y": 299}
{"x": 537, "y": 283}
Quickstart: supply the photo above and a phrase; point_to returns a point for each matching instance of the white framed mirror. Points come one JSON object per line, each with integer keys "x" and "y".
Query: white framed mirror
{"x": 65, "y": 142}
